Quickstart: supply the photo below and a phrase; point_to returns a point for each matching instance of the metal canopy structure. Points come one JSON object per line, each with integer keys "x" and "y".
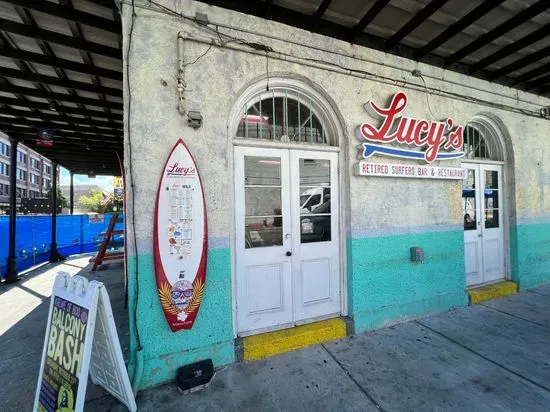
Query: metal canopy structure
{"x": 61, "y": 70}
{"x": 502, "y": 41}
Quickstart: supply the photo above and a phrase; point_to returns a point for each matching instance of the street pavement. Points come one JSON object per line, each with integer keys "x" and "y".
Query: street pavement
{"x": 489, "y": 357}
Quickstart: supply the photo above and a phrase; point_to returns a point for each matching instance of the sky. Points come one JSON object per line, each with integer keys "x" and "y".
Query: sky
{"x": 105, "y": 182}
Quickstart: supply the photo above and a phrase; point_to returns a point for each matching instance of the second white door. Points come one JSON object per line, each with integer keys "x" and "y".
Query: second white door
{"x": 288, "y": 246}
{"x": 483, "y": 224}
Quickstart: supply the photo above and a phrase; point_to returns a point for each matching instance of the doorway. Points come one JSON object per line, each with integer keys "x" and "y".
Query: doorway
{"x": 482, "y": 203}
{"x": 287, "y": 237}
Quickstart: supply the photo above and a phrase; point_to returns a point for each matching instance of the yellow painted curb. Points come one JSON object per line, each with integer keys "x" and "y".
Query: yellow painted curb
{"x": 496, "y": 290}
{"x": 281, "y": 341}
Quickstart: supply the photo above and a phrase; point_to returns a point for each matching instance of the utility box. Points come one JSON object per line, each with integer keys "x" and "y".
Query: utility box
{"x": 195, "y": 376}
{"x": 417, "y": 254}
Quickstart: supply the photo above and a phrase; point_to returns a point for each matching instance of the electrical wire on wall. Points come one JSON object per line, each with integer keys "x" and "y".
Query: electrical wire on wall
{"x": 156, "y": 7}
{"x": 131, "y": 174}
{"x": 417, "y": 73}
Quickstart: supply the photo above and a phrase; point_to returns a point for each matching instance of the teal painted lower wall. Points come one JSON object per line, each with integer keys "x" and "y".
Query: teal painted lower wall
{"x": 385, "y": 287}
{"x": 530, "y": 254}
{"x": 210, "y": 337}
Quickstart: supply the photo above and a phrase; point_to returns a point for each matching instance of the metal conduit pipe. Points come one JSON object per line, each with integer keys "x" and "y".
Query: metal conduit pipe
{"x": 185, "y": 35}
{"x": 347, "y": 55}
{"x": 181, "y": 76}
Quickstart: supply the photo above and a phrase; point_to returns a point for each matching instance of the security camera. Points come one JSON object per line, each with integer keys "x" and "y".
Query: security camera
{"x": 194, "y": 119}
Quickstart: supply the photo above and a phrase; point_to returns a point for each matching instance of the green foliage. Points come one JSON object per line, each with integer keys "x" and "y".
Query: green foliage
{"x": 93, "y": 202}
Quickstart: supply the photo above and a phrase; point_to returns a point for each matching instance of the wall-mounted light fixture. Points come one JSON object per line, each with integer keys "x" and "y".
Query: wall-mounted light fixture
{"x": 194, "y": 119}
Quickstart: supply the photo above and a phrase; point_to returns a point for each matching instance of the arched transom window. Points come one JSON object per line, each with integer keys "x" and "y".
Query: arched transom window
{"x": 481, "y": 142}
{"x": 285, "y": 115}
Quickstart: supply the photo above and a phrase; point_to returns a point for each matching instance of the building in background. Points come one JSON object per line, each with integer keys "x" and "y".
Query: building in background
{"x": 79, "y": 190}
{"x": 33, "y": 172}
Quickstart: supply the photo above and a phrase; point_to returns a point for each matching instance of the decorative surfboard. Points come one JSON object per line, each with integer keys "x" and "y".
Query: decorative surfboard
{"x": 180, "y": 239}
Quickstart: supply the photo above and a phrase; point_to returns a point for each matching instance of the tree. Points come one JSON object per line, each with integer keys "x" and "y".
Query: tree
{"x": 97, "y": 201}
{"x": 61, "y": 200}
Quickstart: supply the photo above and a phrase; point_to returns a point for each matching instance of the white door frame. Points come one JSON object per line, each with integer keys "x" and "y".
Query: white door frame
{"x": 340, "y": 223}
{"x": 304, "y": 250}
{"x": 335, "y": 120}
{"x": 505, "y": 209}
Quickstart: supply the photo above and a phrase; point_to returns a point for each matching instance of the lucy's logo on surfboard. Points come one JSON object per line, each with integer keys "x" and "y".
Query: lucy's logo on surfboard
{"x": 177, "y": 170}
{"x": 431, "y": 137}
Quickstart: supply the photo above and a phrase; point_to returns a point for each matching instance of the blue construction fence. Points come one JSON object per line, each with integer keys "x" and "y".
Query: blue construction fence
{"x": 75, "y": 234}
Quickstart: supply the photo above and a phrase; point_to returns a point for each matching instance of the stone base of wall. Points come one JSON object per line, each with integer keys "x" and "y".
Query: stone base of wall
{"x": 393, "y": 314}
{"x": 530, "y": 250}
{"x": 385, "y": 287}
{"x": 210, "y": 338}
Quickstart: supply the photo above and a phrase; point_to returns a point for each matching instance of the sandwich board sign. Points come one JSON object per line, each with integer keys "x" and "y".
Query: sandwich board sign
{"x": 81, "y": 338}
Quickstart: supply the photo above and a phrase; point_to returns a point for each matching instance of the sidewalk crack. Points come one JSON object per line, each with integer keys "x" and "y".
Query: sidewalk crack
{"x": 484, "y": 357}
{"x": 368, "y": 395}
{"x": 514, "y": 316}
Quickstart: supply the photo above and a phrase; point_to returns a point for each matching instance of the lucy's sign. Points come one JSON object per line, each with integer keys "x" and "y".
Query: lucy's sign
{"x": 411, "y": 171}
{"x": 176, "y": 170}
{"x": 432, "y": 136}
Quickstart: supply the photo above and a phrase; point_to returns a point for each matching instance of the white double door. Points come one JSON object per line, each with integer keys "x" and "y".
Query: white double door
{"x": 287, "y": 237}
{"x": 483, "y": 224}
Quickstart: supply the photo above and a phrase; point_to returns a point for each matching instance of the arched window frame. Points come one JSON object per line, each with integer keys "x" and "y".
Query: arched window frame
{"x": 287, "y": 89}
{"x": 481, "y": 142}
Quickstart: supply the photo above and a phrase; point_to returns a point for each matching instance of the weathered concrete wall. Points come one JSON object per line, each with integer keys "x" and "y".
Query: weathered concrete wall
{"x": 385, "y": 217}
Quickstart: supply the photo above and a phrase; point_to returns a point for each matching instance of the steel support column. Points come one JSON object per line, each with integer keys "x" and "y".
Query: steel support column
{"x": 71, "y": 195}
{"x": 11, "y": 275}
{"x": 55, "y": 256}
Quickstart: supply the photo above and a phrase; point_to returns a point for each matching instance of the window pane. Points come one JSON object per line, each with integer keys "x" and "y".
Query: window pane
{"x": 262, "y": 171}
{"x": 468, "y": 199}
{"x": 261, "y": 201}
{"x": 314, "y": 172}
{"x": 315, "y": 194}
{"x": 491, "y": 179}
{"x": 315, "y": 228}
{"x": 491, "y": 219}
{"x": 491, "y": 199}
{"x": 263, "y": 232}
{"x": 470, "y": 182}
{"x": 469, "y": 219}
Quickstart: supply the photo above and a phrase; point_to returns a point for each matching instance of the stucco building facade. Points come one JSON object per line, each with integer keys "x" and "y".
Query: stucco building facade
{"x": 281, "y": 109}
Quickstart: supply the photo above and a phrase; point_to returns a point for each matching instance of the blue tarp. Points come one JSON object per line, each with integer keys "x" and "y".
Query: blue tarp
{"x": 75, "y": 234}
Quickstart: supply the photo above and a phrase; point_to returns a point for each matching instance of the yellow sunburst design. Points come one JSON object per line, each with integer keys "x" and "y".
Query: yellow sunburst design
{"x": 198, "y": 290}
{"x": 165, "y": 295}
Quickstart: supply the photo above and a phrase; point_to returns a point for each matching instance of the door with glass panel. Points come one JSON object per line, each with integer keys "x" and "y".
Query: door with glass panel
{"x": 316, "y": 244}
{"x": 483, "y": 229}
{"x": 287, "y": 250}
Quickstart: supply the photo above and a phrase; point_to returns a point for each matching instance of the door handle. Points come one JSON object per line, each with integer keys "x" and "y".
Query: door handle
{"x": 288, "y": 253}
{"x": 480, "y": 235}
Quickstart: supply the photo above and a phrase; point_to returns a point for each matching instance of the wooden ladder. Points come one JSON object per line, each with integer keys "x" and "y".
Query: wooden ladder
{"x": 101, "y": 254}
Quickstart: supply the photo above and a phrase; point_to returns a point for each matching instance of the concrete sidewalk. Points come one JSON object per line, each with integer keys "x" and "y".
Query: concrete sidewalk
{"x": 492, "y": 356}
{"x": 489, "y": 357}
{"x": 24, "y": 310}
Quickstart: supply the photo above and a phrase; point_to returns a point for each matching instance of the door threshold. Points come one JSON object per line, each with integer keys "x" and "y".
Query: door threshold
{"x": 264, "y": 345}
{"x": 485, "y": 292}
